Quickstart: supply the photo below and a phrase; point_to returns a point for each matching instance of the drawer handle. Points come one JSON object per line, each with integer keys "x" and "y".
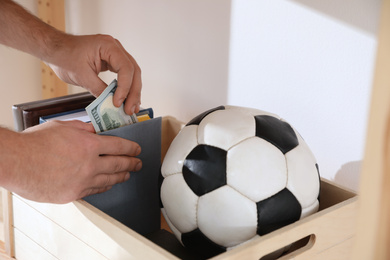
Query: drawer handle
{"x": 293, "y": 249}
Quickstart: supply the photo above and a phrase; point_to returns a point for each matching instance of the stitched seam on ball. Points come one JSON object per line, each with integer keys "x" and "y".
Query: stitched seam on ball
{"x": 257, "y": 215}
{"x": 287, "y": 173}
{"x": 172, "y": 174}
{"x": 239, "y": 192}
{"x": 311, "y": 204}
{"x": 242, "y": 142}
{"x": 227, "y": 179}
{"x": 175, "y": 173}
{"x": 197, "y": 135}
{"x": 196, "y": 212}
{"x": 170, "y": 222}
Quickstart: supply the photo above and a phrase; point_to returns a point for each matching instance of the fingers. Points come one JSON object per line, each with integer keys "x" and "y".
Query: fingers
{"x": 116, "y": 164}
{"x": 95, "y": 85}
{"x": 131, "y": 90}
{"x": 133, "y": 101}
{"x": 93, "y": 190}
{"x": 112, "y": 145}
{"x": 118, "y": 155}
{"x": 129, "y": 75}
{"x": 105, "y": 182}
{"x": 131, "y": 94}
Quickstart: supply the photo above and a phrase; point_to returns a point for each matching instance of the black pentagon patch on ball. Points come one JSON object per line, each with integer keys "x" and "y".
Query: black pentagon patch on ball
{"x": 197, "y": 242}
{"x": 196, "y": 120}
{"x": 277, "y": 132}
{"x": 204, "y": 169}
{"x": 277, "y": 211}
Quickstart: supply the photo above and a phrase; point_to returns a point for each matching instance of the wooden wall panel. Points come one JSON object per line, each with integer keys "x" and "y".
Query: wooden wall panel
{"x": 52, "y": 12}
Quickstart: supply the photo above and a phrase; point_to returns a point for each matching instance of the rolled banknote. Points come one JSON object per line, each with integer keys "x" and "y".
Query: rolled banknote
{"x": 104, "y": 115}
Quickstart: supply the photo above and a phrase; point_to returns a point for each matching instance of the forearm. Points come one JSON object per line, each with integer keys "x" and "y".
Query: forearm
{"x": 77, "y": 60}
{"x": 23, "y": 31}
{"x": 10, "y": 161}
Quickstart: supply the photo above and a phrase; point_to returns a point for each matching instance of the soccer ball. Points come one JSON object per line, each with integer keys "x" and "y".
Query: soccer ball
{"x": 233, "y": 174}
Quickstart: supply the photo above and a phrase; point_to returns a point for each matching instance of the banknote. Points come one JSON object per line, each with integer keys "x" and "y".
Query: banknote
{"x": 104, "y": 115}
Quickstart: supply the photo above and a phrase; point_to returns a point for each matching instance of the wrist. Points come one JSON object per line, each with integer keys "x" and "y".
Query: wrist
{"x": 53, "y": 43}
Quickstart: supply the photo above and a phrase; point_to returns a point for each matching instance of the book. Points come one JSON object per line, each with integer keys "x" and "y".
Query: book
{"x": 28, "y": 114}
{"x": 78, "y": 114}
{"x": 136, "y": 202}
{"x": 82, "y": 115}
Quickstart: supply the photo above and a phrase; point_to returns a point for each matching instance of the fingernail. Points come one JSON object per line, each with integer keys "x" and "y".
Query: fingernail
{"x": 138, "y": 151}
{"x": 127, "y": 176}
{"x": 120, "y": 102}
{"x": 138, "y": 166}
{"x": 132, "y": 110}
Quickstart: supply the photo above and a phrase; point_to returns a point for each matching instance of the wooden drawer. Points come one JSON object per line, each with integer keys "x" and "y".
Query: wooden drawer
{"x": 78, "y": 230}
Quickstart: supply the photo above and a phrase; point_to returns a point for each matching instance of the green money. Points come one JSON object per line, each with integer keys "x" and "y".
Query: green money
{"x": 104, "y": 115}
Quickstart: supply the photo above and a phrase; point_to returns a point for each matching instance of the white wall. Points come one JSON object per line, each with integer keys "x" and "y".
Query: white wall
{"x": 181, "y": 46}
{"x": 20, "y": 77}
{"x": 311, "y": 62}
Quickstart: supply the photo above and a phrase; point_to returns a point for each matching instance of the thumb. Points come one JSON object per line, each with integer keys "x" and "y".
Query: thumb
{"x": 94, "y": 84}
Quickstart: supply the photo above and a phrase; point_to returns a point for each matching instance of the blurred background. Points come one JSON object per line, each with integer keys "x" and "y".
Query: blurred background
{"x": 310, "y": 62}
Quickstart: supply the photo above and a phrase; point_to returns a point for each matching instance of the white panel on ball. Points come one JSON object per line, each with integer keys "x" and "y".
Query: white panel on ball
{"x": 246, "y": 242}
{"x": 220, "y": 128}
{"x": 180, "y": 147}
{"x": 175, "y": 231}
{"x": 227, "y": 217}
{"x": 313, "y": 208}
{"x": 180, "y": 203}
{"x": 303, "y": 179}
{"x": 256, "y": 168}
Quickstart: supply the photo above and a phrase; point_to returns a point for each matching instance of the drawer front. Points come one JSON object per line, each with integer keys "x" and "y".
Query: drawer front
{"x": 26, "y": 248}
{"x": 60, "y": 231}
{"x": 78, "y": 230}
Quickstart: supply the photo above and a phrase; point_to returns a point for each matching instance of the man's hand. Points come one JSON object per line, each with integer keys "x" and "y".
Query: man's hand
{"x": 79, "y": 59}
{"x": 60, "y": 162}
{"x": 64, "y": 161}
{"x": 75, "y": 59}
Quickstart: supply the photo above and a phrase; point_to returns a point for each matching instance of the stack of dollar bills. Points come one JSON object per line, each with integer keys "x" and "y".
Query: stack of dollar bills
{"x": 105, "y": 116}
